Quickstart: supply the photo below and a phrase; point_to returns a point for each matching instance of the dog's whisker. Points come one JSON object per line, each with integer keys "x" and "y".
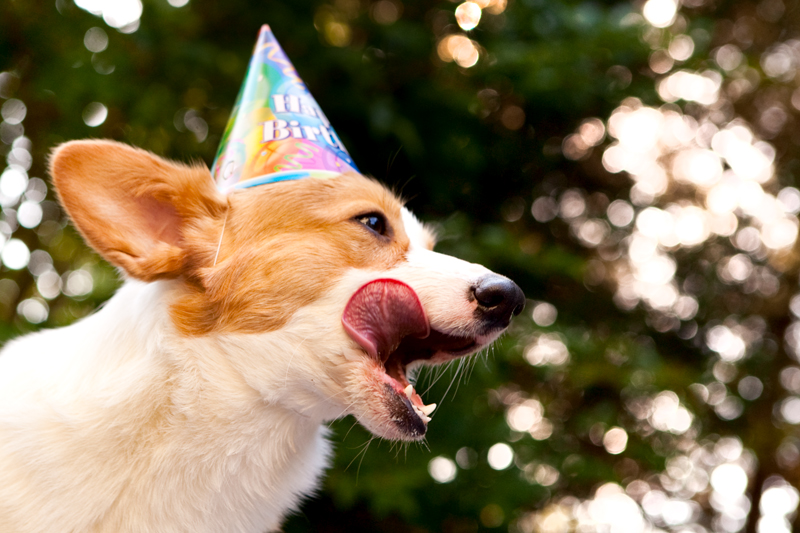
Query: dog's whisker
{"x": 424, "y": 442}
{"x": 461, "y": 372}
{"x": 439, "y": 371}
{"x": 452, "y": 380}
{"x": 355, "y": 423}
{"x": 363, "y": 455}
{"x": 474, "y": 363}
{"x": 344, "y": 411}
{"x": 361, "y": 448}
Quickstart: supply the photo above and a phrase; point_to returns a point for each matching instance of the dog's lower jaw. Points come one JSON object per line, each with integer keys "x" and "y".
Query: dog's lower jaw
{"x": 148, "y": 443}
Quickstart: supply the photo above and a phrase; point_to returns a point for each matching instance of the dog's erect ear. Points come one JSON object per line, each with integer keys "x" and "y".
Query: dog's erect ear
{"x": 132, "y": 206}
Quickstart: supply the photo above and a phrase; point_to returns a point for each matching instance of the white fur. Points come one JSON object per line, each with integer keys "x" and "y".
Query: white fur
{"x": 119, "y": 424}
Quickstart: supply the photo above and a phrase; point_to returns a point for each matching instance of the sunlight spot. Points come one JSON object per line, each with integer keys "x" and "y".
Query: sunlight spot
{"x": 687, "y": 85}
{"x": 29, "y": 214}
{"x": 95, "y": 40}
{"x": 120, "y": 14}
{"x": 660, "y": 13}
{"x": 15, "y": 254}
{"x": 13, "y": 111}
{"x": 442, "y": 469}
{"x": 13, "y": 183}
{"x": 750, "y": 388}
{"x": 544, "y": 314}
{"x": 729, "y": 345}
{"x": 34, "y": 310}
{"x": 458, "y": 48}
{"x": 95, "y": 114}
{"x": 728, "y": 57}
{"x": 789, "y": 198}
{"x": 523, "y": 416}
{"x": 500, "y": 456}
{"x": 620, "y": 213}
{"x": 730, "y": 480}
{"x": 386, "y": 12}
{"x": 781, "y": 499}
{"x": 78, "y": 283}
{"x": 592, "y": 131}
{"x": 790, "y": 410}
{"x": 49, "y": 284}
{"x": 681, "y": 47}
{"x": 548, "y": 349}
{"x": 669, "y": 415}
{"x": 468, "y": 15}
{"x": 615, "y": 440}
{"x": 545, "y": 475}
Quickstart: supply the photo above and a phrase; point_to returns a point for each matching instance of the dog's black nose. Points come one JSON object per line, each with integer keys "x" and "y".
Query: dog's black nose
{"x": 498, "y": 299}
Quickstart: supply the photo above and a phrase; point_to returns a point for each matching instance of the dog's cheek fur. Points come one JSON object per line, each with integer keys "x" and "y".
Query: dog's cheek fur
{"x": 283, "y": 247}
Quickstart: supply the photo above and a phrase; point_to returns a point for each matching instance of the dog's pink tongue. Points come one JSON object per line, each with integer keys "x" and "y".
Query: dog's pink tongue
{"x": 381, "y": 313}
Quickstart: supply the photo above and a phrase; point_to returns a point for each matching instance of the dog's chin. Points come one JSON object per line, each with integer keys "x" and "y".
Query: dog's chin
{"x": 392, "y": 409}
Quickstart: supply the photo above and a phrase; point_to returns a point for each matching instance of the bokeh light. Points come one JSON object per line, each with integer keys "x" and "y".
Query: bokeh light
{"x": 15, "y": 254}
{"x": 123, "y": 15}
{"x": 13, "y": 111}
{"x": 660, "y": 13}
{"x": 468, "y": 15}
{"x": 95, "y": 40}
{"x": 615, "y": 440}
{"x": 547, "y": 349}
{"x": 442, "y": 469}
{"x": 386, "y": 12}
{"x": 95, "y": 114}
{"x": 544, "y": 314}
{"x": 524, "y": 416}
{"x": 500, "y": 456}
{"x": 34, "y": 310}
{"x": 458, "y": 48}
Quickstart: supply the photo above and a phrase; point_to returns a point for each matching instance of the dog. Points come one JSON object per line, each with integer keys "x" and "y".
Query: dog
{"x": 195, "y": 399}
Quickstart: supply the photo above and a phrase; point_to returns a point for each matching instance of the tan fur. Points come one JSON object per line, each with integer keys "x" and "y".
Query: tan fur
{"x": 297, "y": 234}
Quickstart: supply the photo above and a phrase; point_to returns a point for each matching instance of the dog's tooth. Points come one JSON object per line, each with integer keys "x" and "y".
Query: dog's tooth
{"x": 421, "y": 413}
{"x": 409, "y": 391}
{"x": 428, "y": 409}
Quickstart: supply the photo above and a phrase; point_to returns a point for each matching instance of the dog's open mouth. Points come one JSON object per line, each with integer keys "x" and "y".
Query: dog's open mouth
{"x": 386, "y": 318}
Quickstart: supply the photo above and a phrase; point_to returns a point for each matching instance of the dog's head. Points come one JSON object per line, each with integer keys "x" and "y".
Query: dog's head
{"x": 321, "y": 294}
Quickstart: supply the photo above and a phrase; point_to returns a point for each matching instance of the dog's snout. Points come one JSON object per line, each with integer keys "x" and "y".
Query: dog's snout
{"x": 498, "y": 298}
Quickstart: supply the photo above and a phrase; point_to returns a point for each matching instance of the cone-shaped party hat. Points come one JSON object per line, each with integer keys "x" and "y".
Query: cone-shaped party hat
{"x": 277, "y": 131}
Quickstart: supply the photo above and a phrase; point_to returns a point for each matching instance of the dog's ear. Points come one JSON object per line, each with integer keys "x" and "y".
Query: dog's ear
{"x": 133, "y": 207}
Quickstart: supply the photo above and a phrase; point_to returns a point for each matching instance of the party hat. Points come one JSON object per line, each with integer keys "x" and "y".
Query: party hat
{"x": 277, "y": 131}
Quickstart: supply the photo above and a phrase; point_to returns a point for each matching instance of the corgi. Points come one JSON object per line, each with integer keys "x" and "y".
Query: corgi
{"x": 196, "y": 399}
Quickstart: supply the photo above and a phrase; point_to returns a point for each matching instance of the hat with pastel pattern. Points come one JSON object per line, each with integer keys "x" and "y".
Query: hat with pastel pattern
{"x": 277, "y": 131}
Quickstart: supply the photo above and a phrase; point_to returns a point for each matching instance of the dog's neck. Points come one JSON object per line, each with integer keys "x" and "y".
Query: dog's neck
{"x": 209, "y": 375}
{"x": 207, "y": 432}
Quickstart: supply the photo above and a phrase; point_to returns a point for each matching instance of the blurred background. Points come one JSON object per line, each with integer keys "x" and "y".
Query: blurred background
{"x": 631, "y": 165}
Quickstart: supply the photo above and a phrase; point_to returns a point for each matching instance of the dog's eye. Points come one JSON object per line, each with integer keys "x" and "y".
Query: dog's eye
{"x": 373, "y": 221}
